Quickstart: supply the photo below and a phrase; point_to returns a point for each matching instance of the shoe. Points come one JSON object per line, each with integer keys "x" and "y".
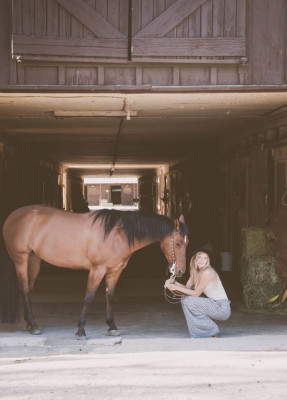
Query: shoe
{"x": 216, "y": 335}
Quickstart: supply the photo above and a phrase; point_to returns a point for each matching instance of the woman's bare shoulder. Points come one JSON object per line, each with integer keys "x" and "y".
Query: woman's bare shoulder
{"x": 207, "y": 273}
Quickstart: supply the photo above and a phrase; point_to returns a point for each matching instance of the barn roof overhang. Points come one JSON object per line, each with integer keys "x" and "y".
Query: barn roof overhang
{"x": 135, "y": 129}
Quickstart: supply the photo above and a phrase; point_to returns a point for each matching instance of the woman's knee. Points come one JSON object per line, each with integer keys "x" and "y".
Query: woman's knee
{"x": 225, "y": 315}
{"x": 187, "y": 300}
{"x": 191, "y": 303}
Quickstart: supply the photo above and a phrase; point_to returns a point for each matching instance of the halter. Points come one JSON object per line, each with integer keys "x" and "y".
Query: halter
{"x": 173, "y": 264}
{"x": 174, "y": 297}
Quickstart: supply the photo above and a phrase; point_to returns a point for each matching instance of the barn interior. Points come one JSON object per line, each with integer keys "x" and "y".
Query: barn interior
{"x": 208, "y": 155}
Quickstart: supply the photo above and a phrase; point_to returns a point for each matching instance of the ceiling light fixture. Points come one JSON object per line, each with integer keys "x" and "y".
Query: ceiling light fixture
{"x": 70, "y": 114}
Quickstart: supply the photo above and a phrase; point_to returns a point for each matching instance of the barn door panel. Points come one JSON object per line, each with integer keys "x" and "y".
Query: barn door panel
{"x": 83, "y": 29}
{"x": 188, "y": 30}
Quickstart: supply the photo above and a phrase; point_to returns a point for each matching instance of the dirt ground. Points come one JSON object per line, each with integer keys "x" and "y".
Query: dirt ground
{"x": 153, "y": 358}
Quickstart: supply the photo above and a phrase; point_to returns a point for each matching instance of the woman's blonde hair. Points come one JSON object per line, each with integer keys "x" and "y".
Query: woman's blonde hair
{"x": 195, "y": 273}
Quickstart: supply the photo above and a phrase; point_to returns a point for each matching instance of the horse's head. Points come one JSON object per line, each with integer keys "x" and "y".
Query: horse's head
{"x": 174, "y": 248}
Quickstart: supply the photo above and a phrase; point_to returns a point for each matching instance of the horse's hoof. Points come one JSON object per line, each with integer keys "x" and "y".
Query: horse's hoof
{"x": 33, "y": 331}
{"x": 80, "y": 336}
{"x": 114, "y": 332}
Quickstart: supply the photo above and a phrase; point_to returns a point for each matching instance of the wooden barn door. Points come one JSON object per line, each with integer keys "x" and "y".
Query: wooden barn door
{"x": 162, "y": 42}
{"x": 79, "y": 32}
{"x": 206, "y": 32}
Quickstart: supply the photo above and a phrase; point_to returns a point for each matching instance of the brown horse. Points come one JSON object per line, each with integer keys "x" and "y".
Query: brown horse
{"x": 101, "y": 242}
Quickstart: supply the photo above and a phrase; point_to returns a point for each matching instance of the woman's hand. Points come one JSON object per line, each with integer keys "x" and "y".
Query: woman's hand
{"x": 168, "y": 281}
{"x": 170, "y": 285}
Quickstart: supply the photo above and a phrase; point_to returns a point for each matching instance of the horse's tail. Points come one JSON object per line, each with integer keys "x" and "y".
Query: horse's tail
{"x": 9, "y": 291}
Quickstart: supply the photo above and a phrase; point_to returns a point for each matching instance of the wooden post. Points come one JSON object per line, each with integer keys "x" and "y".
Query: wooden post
{"x": 175, "y": 80}
{"x": 213, "y": 75}
{"x": 101, "y": 75}
{"x": 242, "y": 71}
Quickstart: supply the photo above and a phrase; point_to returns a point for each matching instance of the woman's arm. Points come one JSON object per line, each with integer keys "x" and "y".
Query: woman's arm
{"x": 188, "y": 283}
{"x": 204, "y": 280}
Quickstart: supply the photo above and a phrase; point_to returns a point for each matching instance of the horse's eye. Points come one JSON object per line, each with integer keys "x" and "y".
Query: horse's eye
{"x": 178, "y": 244}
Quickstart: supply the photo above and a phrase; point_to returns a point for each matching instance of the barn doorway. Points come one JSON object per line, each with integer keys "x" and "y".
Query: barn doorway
{"x": 116, "y": 194}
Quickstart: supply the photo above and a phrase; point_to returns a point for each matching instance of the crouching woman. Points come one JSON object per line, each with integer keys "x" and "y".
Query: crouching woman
{"x": 200, "y": 312}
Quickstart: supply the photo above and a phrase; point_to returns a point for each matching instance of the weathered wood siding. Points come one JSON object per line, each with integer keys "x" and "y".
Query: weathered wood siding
{"x": 158, "y": 42}
{"x": 267, "y": 41}
{"x": 5, "y": 40}
{"x": 26, "y": 179}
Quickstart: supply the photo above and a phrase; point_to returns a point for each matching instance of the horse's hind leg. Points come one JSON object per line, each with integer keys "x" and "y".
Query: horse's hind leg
{"x": 111, "y": 282}
{"x": 21, "y": 265}
{"x": 94, "y": 279}
{"x": 34, "y": 265}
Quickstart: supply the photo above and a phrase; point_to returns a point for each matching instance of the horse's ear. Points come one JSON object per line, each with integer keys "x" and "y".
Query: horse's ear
{"x": 176, "y": 225}
{"x": 181, "y": 219}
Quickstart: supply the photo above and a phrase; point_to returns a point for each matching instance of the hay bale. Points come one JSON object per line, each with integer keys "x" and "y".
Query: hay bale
{"x": 259, "y": 269}
{"x": 253, "y": 242}
{"x": 276, "y": 231}
{"x": 259, "y": 281}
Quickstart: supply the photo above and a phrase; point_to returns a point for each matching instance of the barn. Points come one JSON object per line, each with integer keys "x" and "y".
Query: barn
{"x": 187, "y": 96}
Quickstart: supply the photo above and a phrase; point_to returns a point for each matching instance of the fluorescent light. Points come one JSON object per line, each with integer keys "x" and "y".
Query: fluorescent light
{"x": 131, "y": 179}
{"x": 71, "y": 113}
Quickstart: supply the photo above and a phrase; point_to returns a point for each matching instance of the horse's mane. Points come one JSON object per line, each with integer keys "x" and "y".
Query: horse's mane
{"x": 138, "y": 225}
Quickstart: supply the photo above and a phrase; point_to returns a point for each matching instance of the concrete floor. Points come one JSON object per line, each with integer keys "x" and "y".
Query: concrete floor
{"x": 154, "y": 358}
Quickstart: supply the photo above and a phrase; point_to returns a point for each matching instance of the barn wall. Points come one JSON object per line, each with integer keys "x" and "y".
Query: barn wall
{"x": 267, "y": 41}
{"x": 196, "y": 193}
{"x": 26, "y": 179}
{"x": 2, "y": 176}
{"x": 78, "y": 202}
{"x": 168, "y": 43}
{"x": 247, "y": 190}
{"x": 240, "y": 182}
{"x": 192, "y": 188}
{"x": 147, "y": 189}
{"x": 5, "y": 41}
{"x": 254, "y": 170}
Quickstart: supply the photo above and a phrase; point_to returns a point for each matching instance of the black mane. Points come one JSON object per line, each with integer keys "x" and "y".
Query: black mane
{"x": 138, "y": 225}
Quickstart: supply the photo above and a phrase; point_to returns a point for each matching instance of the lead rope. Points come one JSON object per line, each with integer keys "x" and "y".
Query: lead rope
{"x": 173, "y": 297}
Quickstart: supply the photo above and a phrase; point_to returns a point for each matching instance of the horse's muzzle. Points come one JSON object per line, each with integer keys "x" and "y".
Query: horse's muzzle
{"x": 173, "y": 271}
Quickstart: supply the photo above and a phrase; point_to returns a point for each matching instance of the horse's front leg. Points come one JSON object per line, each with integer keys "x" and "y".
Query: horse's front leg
{"x": 94, "y": 279}
{"x": 111, "y": 282}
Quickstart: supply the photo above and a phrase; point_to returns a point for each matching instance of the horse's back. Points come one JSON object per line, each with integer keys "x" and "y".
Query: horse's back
{"x": 25, "y": 216}
{"x": 63, "y": 238}
{"x": 37, "y": 228}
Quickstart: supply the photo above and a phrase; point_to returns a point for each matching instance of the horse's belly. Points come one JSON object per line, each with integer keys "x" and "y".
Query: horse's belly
{"x": 63, "y": 246}
{"x": 61, "y": 254}
{"x": 65, "y": 262}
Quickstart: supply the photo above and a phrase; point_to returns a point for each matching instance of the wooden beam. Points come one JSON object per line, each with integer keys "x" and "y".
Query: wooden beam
{"x": 170, "y": 18}
{"x": 91, "y": 19}
{"x": 186, "y": 47}
{"x": 89, "y": 61}
{"x": 84, "y": 47}
{"x": 195, "y": 61}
